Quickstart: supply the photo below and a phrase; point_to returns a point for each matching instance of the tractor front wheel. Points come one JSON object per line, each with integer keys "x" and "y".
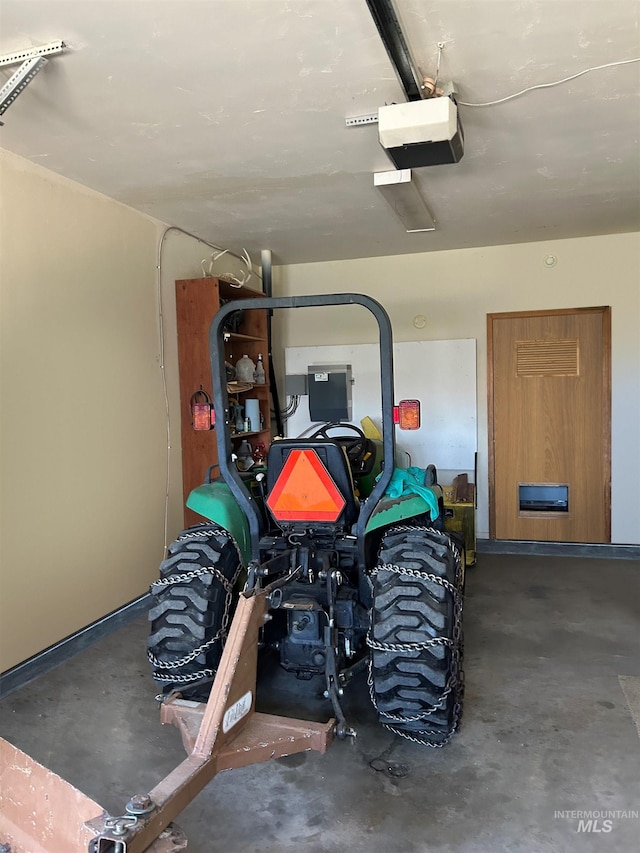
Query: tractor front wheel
{"x": 191, "y": 610}
{"x": 415, "y": 637}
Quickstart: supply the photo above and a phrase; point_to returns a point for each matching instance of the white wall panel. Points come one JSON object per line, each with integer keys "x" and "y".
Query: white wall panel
{"x": 441, "y": 374}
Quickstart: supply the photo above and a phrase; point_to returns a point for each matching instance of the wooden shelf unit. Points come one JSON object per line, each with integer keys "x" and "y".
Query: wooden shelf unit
{"x": 197, "y": 300}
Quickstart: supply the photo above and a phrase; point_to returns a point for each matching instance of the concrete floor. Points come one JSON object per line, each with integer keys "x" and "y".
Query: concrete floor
{"x": 546, "y": 728}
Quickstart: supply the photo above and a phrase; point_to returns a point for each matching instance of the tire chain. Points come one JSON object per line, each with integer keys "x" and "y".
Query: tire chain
{"x": 455, "y": 682}
{"x": 207, "y": 534}
{"x": 227, "y": 585}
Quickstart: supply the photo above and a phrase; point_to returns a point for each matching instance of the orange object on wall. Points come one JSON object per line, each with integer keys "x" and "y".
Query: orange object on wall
{"x": 409, "y": 414}
{"x": 202, "y": 412}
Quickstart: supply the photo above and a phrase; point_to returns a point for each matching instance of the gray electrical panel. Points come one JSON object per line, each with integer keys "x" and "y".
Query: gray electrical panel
{"x": 329, "y": 392}
{"x": 295, "y": 385}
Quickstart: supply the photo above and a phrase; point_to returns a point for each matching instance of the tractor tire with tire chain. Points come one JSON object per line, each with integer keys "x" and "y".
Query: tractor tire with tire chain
{"x": 415, "y": 638}
{"x": 191, "y": 610}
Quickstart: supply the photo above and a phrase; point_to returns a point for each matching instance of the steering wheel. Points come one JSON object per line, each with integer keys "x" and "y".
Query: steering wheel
{"x": 355, "y": 446}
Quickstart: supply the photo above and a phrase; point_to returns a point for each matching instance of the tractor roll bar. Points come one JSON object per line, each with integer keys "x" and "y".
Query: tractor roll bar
{"x": 221, "y": 400}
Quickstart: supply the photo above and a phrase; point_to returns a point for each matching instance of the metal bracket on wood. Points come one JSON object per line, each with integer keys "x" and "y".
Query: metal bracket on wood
{"x": 40, "y": 811}
{"x": 223, "y": 734}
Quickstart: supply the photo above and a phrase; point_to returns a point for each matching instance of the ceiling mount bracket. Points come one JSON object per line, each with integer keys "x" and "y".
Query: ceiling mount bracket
{"x": 17, "y": 56}
{"x": 356, "y": 121}
{"x": 19, "y": 81}
{"x": 32, "y": 60}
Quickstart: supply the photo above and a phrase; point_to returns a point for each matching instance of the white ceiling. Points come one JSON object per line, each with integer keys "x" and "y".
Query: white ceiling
{"x": 227, "y": 117}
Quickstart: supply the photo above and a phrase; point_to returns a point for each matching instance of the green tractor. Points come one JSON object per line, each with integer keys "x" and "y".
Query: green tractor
{"x": 359, "y": 580}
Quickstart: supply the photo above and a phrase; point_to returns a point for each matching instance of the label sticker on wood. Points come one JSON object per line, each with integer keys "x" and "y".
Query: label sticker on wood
{"x": 237, "y": 711}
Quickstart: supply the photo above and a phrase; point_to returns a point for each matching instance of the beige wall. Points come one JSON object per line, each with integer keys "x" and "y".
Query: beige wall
{"x": 455, "y": 291}
{"x": 83, "y": 438}
{"x": 83, "y": 420}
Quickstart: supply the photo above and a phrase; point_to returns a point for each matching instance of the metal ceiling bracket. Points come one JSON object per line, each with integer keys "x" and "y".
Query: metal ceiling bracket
{"x": 32, "y": 60}
{"x": 17, "y": 56}
{"x": 19, "y": 81}
{"x": 356, "y": 121}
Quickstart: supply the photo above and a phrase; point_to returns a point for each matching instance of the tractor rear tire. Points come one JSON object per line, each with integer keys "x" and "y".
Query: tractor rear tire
{"x": 191, "y": 610}
{"x": 415, "y": 675}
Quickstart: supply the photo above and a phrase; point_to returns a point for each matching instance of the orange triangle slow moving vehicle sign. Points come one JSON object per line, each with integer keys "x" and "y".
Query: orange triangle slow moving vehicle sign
{"x": 304, "y": 491}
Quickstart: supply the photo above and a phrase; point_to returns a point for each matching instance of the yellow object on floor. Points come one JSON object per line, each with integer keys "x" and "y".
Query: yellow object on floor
{"x": 460, "y": 518}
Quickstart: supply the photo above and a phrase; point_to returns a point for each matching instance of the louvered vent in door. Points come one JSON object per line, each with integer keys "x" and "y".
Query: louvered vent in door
{"x": 547, "y": 358}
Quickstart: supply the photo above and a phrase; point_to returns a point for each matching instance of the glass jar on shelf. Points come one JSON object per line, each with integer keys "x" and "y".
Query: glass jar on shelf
{"x": 245, "y": 369}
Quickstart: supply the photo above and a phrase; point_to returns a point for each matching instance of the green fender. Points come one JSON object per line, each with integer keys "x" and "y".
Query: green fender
{"x": 216, "y": 502}
{"x": 390, "y": 511}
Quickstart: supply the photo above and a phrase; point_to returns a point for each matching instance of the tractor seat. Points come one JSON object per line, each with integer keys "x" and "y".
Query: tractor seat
{"x": 335, "y": 461}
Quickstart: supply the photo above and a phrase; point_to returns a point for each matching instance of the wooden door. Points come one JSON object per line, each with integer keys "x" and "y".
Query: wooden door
{"x": 550, "y": 425}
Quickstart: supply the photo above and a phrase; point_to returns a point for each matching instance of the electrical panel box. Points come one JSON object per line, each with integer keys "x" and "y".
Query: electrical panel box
{"x": 329, "y": 388}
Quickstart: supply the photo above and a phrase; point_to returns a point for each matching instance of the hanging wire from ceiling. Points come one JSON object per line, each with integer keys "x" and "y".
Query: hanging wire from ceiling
{"x": 548, "y": 85}
{"x": 440, "y": 49}
{"x": 429, "y": 85}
